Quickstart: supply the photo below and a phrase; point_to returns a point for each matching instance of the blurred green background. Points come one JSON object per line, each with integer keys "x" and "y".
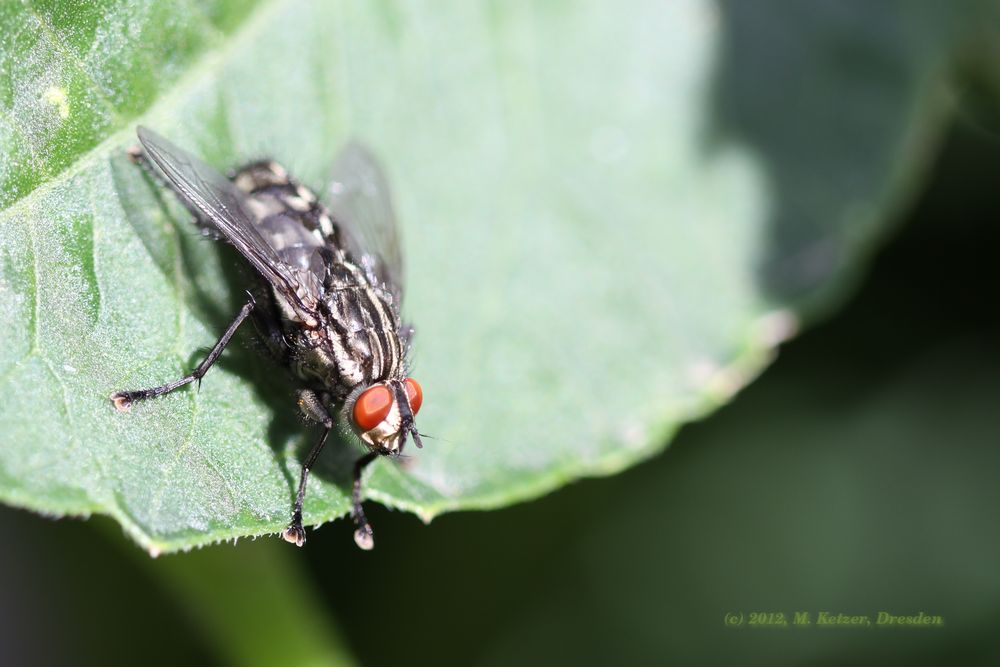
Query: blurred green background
{"x": 856, "y": 475}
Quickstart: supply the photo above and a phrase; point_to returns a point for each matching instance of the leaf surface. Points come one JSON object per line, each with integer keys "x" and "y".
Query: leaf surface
{"x": 610, "y": 218}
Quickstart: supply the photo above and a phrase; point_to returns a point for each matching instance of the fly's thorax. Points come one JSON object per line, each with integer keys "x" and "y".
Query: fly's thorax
{"x": 361, "y": 329}
{"x": 340, "y": 361}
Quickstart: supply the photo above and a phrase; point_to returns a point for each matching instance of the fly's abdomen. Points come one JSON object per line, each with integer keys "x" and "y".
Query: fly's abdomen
{"x": 296, "y": 245}
{"x": 287, "y": 214}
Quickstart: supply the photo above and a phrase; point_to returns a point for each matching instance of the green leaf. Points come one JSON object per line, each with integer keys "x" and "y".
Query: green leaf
{"x": 610, "y": 218}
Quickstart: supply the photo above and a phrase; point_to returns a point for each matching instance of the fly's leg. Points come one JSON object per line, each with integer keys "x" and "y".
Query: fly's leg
{"x": 312, "y": 407}
{"x": 123, "y": 400}
{"x": 363, "y": 536}
{"x": 295, "y": 533}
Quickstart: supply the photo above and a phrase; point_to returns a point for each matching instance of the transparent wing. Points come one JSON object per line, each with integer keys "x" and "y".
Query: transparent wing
{"x": 221, "y": 205}
{"x": 360, "y": 202}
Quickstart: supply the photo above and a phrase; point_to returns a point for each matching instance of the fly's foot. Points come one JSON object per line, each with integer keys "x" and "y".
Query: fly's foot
{"x": 122, "y": 400}
{"x": 363, "y": 537}
{"x": 295, "y": 534}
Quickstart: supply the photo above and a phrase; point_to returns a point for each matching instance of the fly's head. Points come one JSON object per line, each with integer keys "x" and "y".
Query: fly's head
{"x": 383, "y": 415}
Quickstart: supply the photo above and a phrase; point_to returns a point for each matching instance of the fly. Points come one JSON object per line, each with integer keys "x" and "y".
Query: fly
{"x": 328, "y": 302}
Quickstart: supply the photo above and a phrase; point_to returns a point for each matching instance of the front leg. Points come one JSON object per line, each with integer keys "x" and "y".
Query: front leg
{"x": 295, "y": 533}
{"x": 123, "y": 400}
{"x": 363, "y": 535}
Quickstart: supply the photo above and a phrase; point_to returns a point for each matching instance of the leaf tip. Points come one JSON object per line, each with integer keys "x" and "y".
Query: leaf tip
{"x": 775, "y": 327}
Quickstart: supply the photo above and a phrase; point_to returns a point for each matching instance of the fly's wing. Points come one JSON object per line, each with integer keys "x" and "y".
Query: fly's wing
{"x": 221, "y": 205}
{"x": 359, "y": 200}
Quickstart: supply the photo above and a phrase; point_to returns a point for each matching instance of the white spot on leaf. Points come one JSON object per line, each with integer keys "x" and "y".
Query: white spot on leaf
{"x": 57, "y": 97}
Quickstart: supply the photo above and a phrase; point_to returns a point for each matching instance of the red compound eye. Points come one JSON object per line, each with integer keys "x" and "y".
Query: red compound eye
{"x": 372, "y": 407}
{"x": 415, "y": 395}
